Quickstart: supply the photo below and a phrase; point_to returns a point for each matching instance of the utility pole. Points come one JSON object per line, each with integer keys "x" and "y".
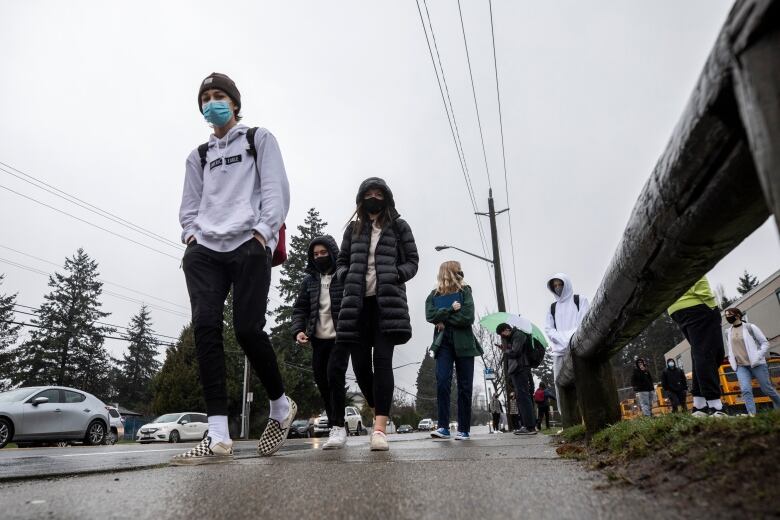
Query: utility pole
{"x": 499, "y": 284}
{"x": 244, "y": 415}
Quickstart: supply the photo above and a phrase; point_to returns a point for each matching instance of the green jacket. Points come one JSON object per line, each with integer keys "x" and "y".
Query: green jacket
{"x": 701, "y": 293}
{"x": 459, "y": 322}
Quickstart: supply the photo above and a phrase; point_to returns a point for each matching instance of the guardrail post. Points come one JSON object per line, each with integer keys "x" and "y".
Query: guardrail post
{"x": 757, "y": 80}
{"x": 596, "y": 392}
{"x": 568, "y": 406}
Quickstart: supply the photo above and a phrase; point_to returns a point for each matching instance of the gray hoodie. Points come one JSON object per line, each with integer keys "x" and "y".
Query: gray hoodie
{"x": 231, "y": 197}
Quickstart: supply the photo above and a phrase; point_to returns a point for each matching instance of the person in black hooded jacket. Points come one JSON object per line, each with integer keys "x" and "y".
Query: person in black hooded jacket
{"x": 642, "y": 381}
{"x": 314, "y": 318}
{"x": 675, "y": 384}
{"x": 378, "y": 256}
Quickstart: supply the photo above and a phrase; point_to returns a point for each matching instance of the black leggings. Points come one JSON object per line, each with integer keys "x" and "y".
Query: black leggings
{"x": 701, "y": 327}
{"x": 330, "y": 361}
{"x": 372, "y": 360}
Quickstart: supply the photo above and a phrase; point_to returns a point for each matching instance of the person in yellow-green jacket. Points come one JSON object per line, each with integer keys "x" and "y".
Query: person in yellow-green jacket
{"x": 698, "y": 316}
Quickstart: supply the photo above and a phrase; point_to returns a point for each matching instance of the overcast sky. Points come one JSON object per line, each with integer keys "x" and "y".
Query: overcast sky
{"x": 99, "y": 99}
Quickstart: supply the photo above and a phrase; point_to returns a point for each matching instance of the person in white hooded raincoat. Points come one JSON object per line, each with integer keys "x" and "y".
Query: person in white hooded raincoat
{"x": 563, "y": 318}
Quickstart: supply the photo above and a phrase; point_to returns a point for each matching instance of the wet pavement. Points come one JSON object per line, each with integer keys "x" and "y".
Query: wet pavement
{"x": 492, "y": 476}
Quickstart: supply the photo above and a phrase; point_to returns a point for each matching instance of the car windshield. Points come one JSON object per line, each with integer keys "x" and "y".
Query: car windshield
{"x": 168, "y": 417}
{"x": 20, "y": 394}
{"x": 300, "y": 422}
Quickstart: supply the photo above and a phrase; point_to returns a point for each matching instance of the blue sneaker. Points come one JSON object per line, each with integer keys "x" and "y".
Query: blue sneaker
{"x": 441, "y": 433}
{"x": 463, "y": 436}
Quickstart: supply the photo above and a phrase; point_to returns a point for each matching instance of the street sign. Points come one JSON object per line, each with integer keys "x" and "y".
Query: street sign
{"x": 490, "y": 374}
{"x": 250, "y": 397}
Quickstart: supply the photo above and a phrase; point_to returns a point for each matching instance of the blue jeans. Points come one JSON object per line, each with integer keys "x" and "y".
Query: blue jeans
{"x": 464, "y": 370}
{"x": 645, "y": 402}
{"x": 745, "y": 375}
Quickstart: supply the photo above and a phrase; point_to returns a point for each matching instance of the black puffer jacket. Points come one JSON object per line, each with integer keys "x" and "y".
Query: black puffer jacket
{"x": 306, "y": 310}
{"x": 673, "y": 380}
{"x": 641, "y": 380}
{"x": 392, "y": 273}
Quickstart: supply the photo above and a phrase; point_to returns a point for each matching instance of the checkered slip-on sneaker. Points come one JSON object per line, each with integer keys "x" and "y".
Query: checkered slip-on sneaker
{"x": 203, "y": 453}
{"x": 276, "y": 433}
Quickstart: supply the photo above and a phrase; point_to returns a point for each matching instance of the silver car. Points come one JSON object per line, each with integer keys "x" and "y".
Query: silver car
{"x": 52, "y": 414}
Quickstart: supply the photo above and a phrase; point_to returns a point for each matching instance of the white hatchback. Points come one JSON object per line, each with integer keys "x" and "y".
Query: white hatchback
{"x": 175, "y": 427}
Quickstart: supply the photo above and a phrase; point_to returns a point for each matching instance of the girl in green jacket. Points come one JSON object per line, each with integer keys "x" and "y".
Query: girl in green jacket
{"x": 450, "y": 307}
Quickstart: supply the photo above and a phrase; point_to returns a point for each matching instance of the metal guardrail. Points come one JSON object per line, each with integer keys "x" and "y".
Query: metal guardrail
{"x": 716, "y": 182}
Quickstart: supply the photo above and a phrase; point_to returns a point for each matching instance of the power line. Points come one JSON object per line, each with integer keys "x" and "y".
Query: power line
{"x": 109, "y": 293}
{"x": 453, "y": 125}
{"x": 90, "y": 223}
{"x": 104, "y": 281}
{"x": 503, "y": 156}
{"x": 104, "y": 336}
{"x": 42, "y": 185}
{"x": 474, "y": 92}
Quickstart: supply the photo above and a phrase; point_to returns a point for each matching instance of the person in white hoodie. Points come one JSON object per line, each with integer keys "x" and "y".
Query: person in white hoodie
{"x": 235, "y": 199}
{"x": 563, "y": 318}
{"x": 747, "y": 347}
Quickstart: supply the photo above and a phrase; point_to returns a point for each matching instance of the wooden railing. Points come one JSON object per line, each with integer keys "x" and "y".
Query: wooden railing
{"x": 716, "y": 182}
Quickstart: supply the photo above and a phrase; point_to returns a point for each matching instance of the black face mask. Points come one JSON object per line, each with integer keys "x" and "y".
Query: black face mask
{"x": 323, "y": 263}
{"x": 731, "y": 319}
{"x": 373, "y": 205}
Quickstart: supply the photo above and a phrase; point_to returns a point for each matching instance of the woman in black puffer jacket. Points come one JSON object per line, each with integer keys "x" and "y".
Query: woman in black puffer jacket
{"x": 378, "y": 256}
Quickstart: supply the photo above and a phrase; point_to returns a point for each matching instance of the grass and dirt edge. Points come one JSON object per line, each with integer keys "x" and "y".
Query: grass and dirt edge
{"x": 734, "y": 457}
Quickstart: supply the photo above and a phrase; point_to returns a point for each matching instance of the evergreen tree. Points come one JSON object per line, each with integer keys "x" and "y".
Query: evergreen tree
{"x": 67, "y": 347}
{"x": 9, "y": 334}
{"x": 746, "y": 283}
{"x": 426, "y": 387}
{"x": 651, "y": 344}
{"x": 295, "y": 361}
{"x": 544, "y": 372}
{"x": 176, "y": 388}
{"x": 139, "y": 365}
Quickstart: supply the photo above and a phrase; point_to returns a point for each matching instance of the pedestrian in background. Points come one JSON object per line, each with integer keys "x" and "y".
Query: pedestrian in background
{"x": 450, "y": 307}
{"x": 495, "y": 410}
{"x": 314, "y": 319}
{"x": 378, "y": 256}
{"x": 542, "y": 398}
{"x": 642, "y": 382}
{"x": 748, "y": 347}
{"x": 675, "y": 385}
{"x": 234, "y": 203}
{"x": 697, "y": 315}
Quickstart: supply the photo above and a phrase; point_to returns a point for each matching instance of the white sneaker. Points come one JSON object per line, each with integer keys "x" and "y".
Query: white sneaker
{"x": 337, "y": 439}
{"x": 379, "y": 441}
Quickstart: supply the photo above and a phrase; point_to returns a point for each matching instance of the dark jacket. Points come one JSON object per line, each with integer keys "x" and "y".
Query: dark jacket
{"x": 458, "y": 323}
{"x": 306, "y": 309}
{"x": 673, "y": 380}
{"x": 517, "y": 350}
{"x": 392, "y": 273}
{"x": 641, "y": 380}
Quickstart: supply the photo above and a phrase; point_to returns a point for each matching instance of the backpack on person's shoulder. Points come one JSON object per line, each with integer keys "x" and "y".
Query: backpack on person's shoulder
{"x": 280, "y": 253}
{"x": 539, "y": 396}
{"x": 535, "y": 353}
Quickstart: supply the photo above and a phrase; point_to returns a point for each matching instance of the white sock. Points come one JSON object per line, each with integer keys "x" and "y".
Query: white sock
{"x": 218, "y": 429}
{"x": 279, "y": 409}
{"x": 715, "y": 403}
{"x": 699, "y": 402}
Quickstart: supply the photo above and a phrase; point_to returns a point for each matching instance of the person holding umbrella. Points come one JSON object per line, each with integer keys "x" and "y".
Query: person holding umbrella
{"x": 450, "y": 307}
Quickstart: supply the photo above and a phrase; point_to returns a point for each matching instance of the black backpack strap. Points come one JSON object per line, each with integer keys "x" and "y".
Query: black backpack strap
{"x": 250, "y": 138}
{"x": 577, "y": 301}
{"x": 202, "y": 149}
{"x": 552, "y": 311}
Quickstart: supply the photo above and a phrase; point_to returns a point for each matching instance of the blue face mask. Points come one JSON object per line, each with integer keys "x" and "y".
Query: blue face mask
{"x": 218, "y": 113}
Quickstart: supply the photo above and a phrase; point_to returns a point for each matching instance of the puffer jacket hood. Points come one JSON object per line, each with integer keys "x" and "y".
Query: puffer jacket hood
{"x": 379, "y": 183}
{"x": 333, "y": 250}
{"x": 568, "y": 288}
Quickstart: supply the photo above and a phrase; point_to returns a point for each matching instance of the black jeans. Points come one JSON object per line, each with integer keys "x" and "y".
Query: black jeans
{"x": 464, "y": 374}
{"x": 210, "y": 275}
{"x": 677, "y": 399}
{"x": 321, "y": 350}
{"x": 377, "y": 382}
{"x": 496, "y": 420}
{"x": 543, "y": 410}
{"x": 521, "y": 380}
{"x": 701, "y": 327}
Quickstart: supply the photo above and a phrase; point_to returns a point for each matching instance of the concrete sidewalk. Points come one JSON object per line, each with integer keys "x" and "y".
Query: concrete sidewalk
{"x": 492, "y": 476}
